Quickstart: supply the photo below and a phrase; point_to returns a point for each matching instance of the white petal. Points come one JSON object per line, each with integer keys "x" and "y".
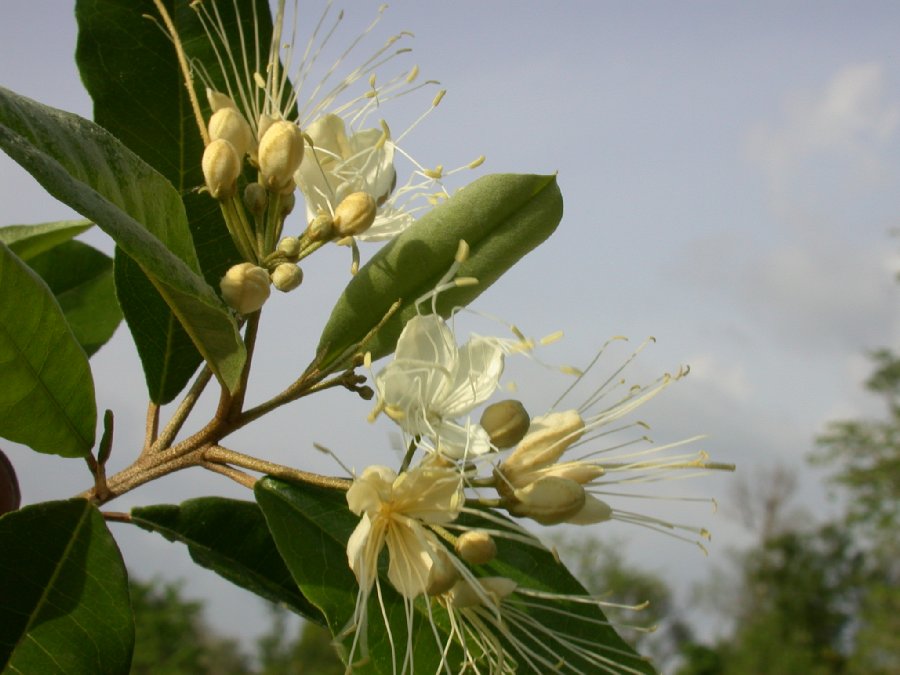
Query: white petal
{"x": 477, "y": 375}
{"x": 457, "y": 441}
{"x": 371, "y": 489}
{"x": 410, "y": 557}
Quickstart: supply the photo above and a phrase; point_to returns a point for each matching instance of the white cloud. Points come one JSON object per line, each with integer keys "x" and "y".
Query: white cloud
{"x": 851, "y": 121}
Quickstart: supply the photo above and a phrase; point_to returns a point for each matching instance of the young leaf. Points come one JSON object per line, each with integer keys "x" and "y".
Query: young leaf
{"x": 311, "y": 527}
{"x": 88, "y": 169}
{"x": 229, "y": 537}
{"x": 81, "y": 278}
{"x": 65, "y": 602}
{"x": 27, "y": 241}
{"x": 501, "y": 217}
{"x": 47, "y": 398}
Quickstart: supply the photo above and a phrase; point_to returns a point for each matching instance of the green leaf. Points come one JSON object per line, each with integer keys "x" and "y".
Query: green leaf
{"x": 501, "y": 217}
{"x": 311, "y": 527}
{"x": 231, "y": 538}
{"x": 47, "y": 398}
{"x": 83, "y": 166}
{"x": 65, "y": 602}
{"x": 81, "y": 278}
{"x": 27, "y": 241}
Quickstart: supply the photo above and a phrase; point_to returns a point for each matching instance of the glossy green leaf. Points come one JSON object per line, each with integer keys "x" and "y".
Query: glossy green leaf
{"x": 65, "y": 602}
{"x": 501, "y": 217}
{"x": 83, "y": 166}
{"x": 311, "y": 527}
{"x": 231, "y": 538}
{"x": 47, "y": 398}
{"x": 27, "y": 241}
{"x": 81, "y": 278}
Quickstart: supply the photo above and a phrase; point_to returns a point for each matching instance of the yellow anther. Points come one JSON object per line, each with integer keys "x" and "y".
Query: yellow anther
{"x": 475, "y": 163}
{"x": 438, "y": 97}
{"x": 413, "y": 74}
{"x": 550, "y": 339}
{"x": 436, "y": 173}
{"x": 462, "y": 251}
{"x": 259, "y": 80}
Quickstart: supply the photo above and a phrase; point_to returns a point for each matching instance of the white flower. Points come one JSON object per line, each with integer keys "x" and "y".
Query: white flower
{"x": 432, "y": 382}
{"x": 395, "y": 513}
{"x": 338, "y": 165}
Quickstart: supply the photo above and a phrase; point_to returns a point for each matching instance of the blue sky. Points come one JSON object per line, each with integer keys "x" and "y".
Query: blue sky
{"x": 730, "y": 177}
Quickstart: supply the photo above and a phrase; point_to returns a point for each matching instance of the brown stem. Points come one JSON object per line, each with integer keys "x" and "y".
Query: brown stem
{"x": 116, "y": 516}
{"x": 250, "y": 333}
{"x": 183, "y": 411}
{"x": 244, "y": 479}
{"x": 152, "y": 427}
{"x": 220, "y": 455}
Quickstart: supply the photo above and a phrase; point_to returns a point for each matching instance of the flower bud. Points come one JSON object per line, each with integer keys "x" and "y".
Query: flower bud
{"x": 355, "y": 214}
{"x": 218, "y": 101}
{"x": 230, "y": 125}
{"x": 594, "y": 511}
{"x": 245, "y": 287}
{"x": 321, "y": 227}
{"x": 286, "y": 277}
{"x": 548, "y": 500}
{"x": 546, "y": 441}
{"x": 442, "y": 575}
{"x": 255, "y": 199}
{"x": 476, "y": 547}
{"x": 287, "y": 204}
{"x": 506, "y": 423}
{"x": 492, "y": 591}
{"x": 280, "y": 153}
{"x": 221, "y": 167}
{"x": 289, "y": 246}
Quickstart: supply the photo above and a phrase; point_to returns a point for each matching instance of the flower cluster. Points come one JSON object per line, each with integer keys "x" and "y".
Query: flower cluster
{"x": 448, "y": 519}
{"x": 445, "y": 549}
{"x": 323, "y": 146}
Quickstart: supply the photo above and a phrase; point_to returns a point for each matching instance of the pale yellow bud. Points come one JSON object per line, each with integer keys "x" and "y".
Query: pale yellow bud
{"x": 321, "y": 227}
{"x": 442, "y": 575}
{"x": 245, "y": 287}
{"x": 594, "y": 511}
{"x": 289, "y": 246}
{"x": 506, "y": 423}
{"x": 546, "y": 441}
{"x": 476, "y": 547}
{"x": 548, "y": 500}
{"x": 280, "y": 153}
{"x": 492, "y": 591}
{"x": 286, "y": 277}
{"x": 355, "y": 214}
{"x": 218, "y": 101}
{"x": 230, "y": 125}
{"x": 255, "y": 199}
{"x": 221, "y": 167}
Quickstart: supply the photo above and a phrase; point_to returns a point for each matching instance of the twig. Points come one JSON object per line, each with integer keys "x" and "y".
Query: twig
{"x": 240, "y": 477}
{"x": 220, "y": 455}
{"x": 152, "y": 428}
{"x": 184, "y": 409}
